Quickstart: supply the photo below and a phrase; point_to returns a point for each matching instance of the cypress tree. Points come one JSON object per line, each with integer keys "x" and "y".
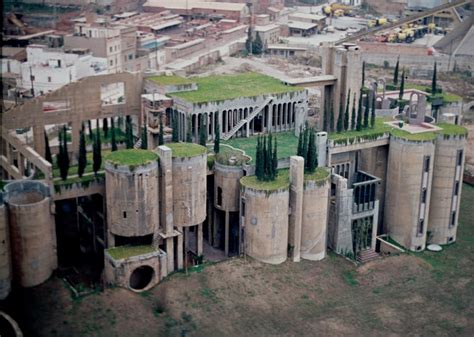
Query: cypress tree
{"x": 264, "y": 158}
{"x": 175, "y": 134}
{"x": 346, "y": 113}
{"x": 366, "y": 111}
{"x": 312, "y": 161}
{"x": 217, "y": 140}
{"x": 353, "y": 115}
{"x": 269, "y": 163}
{"x": 60, "y": 156}
{"x": 258, "y": 160}
{"x": 114, "y": 141}
{"x": 248, "y": 42}
{"x": 325, "y": 117}
{"x": 161, "y": 136}
{"x": 372, "y": 116}
{"x": 395, "y": 72}
{"x": 363, "y": 75}
{"x": 257, "y": 45}
{"x": 128, "y": 133}
{"x": 299, "y": 151}
{"x": 64, "y": 168}
{"x": 340, "y": 120}
{"x": 120, "y": 123}
{"x": 359, "y": 113}
{"x": 189, "y": 134}
{"x": 47, "y": 149}
{"x": 144, "y": 145}
{"x": 105, "y": 127}
{"x": 275, "y": 161}
{"x": 89, "y": 124}
{"x": 331, "y": 117}
{"x": 433, "y": 81}
{"x": 97, "y": 153}
{"x": 82, "y": 159}
{"x": 402, "y": 90}
{"x": 305, "y": 144}
{"x": 202, "y": 132}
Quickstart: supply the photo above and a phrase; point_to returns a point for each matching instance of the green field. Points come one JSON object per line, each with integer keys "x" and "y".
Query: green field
{"x": 131, "y": 157}
{"x": 224, "y": 87}
{"x": 170, "y": 80}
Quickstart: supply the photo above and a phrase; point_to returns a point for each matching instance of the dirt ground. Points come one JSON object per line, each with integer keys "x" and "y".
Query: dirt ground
{"x": 427, "y": 294}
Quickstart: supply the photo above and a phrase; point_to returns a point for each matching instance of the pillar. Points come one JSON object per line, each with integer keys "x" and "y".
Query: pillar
{"x": 179, "y": 249}
{"x": 226, "y": 234}
{"x": 296, "y": 204}
{"x": 170, "y": 253}
{"x": 199, "y": 240}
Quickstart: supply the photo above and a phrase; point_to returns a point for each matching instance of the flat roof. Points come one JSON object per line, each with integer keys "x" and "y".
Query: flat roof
{"x": 226, "y": 87}
{"x": 187, "y": 44}
{"x": 308, "y": 80}
{"x": 191, "y": 4}
{"x": 266, "y": 28}
{"x": 307, "y": 16}
{"x": 284, "y": 47}
{"x": 166, "y": 24}
{"x": 302, "y": 25}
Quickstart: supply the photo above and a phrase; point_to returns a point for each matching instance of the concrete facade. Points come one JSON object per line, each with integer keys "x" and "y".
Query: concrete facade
{"x": 5, "y": 254}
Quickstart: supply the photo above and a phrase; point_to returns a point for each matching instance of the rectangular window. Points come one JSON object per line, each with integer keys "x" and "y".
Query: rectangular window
{"x": 427, "y": 164}
{"x": 460, "y": 153}
{"x": 453, "y": 219}
{"x": 421, "y": 225}
{"x": 456, "y": 188}
{"x": 111, "y": 62}
{"x": 243, "y": 208}
{"x": 124, "y": 215}
{"x": 49, "y": 79}
{"x": 110, "y": 49}
{"x": 423, "y": 196}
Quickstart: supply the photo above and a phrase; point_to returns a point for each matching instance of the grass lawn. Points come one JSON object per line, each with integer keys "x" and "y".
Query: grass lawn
{"x": 379, "y": 129}
{"x": 131, "y": 157}
{"x": 281, "y": 181}
{"x": 180, "y": 150}
{"x": 123, "y": 252}
{"x": 170, "y": 80}
{"x": 119, "y": 136}
{"x": 73, "y": 168}
{"x": 321, "y": 174}
{"x": 223, "y": 87}
{"x": 287, "y": 144}
{"x": 417, "y": 137}
{"x": 226, "y": 153}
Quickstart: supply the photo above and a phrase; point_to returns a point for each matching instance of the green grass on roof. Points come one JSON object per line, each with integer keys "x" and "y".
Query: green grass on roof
{"x": 417, "y": 137}
{"x": 226, "y": 153}
{"x": 369, "y": 133}
{"x": 180, "y": 150}
{"x": 170, "y": 80}
{"x": 282, "y": 181}
{"x": 452, "y": 129}
{"x": 223, "y": 87}
{"x": 131, "y": 157}
{"x": 123, "y": 252}
{"x": 321, "y": 174}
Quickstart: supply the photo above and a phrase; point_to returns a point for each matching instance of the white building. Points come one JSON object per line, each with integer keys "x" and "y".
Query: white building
{"x": 49, "y": 69}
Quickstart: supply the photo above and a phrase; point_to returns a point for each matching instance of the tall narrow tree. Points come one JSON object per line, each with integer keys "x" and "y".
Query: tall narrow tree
{"x": 89, "y": 124}
{"x": 105, "y": 127}
{"x": 47, "y": 149}
{"x": 144, "y": 144}
{"x": 113, "y": 139}
{"x": 395, "y": 72}
{"x": 175, "y": 134}
{"x": 305, "y": 143}
{"x": 402, "y": 91}
{"x": 367, "y": 110}
{"x": 346, "y": 112}
{"x": 275, "y": 161}
{"x": 189, "y": 133}
{"x": 65, "y": 154}
{"x": 340, "y": 118}
{"x": 299, "y": 150}
{"x": 202, "y": 131}
{"x": 363, "y": 75}
{"x": 259, "y": 159}
{"x": 331, "y": 117}
{"x": 82, "y": 158}
{"x": 359, "y": 113}
{"x": 97, "y": 152}
{"x": 312, "y": 161}
{"x": 326, "y": 117}
{"x": 353, "y": 114}
{"x": 161, "y": 135}
{"x": 60, "y": 155}
{"x": 128, "y": 133}
{"x": 248, "y": 42}
{"x": 433, "y": 81}
{"x": 257, "y": 45}
{"x": 372, "y": 116}
{"x": 217, "y": 140}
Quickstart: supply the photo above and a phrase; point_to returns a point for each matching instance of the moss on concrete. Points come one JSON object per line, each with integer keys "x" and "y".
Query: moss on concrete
{"x": 365, "y": 134}
{"x": 170, "y": 80}
{"x": 282, "y": 181}
{"x": 186, "y": 150}
{"x": 131, "y": 157}
{"x": 123, "y": 252}
{"x": 452, "y": 130}
{"x": 320, "y": 175}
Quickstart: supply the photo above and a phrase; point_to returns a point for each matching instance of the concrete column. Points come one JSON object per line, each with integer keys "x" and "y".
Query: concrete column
{"x": 285, "y": 112}
{"x": 179, "y": 249}
{"x": 196, "y": 127}
{"x": 75, "y": 137}
{"x": 199, "y": 240}
{"x": 270, "y": 117}
{"x": 110, "y": 240}
{"x": 296, "y": 204}
{"x": 226, "y": 234}
{"x": 321, "y": 145}
{"x": 170, "y": 253}
{"x": 38, "y": 137}
{"x": 21, "y": 164}
{"x": 166, "y": 189}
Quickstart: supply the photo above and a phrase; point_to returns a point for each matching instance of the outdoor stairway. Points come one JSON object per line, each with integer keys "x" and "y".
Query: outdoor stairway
{"x": 367, "y": 255}
{"x": 138, "y": 144}
{"x": 244, "y": 121}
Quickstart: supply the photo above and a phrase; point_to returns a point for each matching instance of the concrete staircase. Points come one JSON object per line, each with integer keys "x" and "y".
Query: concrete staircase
{"x": 367, "y": 255}
{"x": 244, "y": 121}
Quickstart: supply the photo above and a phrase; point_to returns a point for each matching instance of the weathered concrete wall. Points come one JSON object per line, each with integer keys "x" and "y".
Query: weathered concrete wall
{"x": 266, "y": 224}
{"x": 132, "y": 198}
{"x": 315, "y": 220}
{"x": 405, "y": 181}
{"x": 5, "y": 256}
{"x": 119, "y": 272}
{"x": 296, "y": 205}
{"x": 227, "y": 178}
{"x": 189, "y": 190}
{"x": 447, "y": 176}
{"x": 33, "y": 235}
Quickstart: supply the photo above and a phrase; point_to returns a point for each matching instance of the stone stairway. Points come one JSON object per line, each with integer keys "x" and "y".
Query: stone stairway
{"x": 367, "y": 255}
{"x": 244, "y": 121}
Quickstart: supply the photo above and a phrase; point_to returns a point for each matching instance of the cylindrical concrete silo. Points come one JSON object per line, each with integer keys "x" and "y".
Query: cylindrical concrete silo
{"x": 5, "y": 256}
{"x": 446, "y": 188}
{"x": 265, "y": 220}
{"x": 315, "y": 219}
{"x": 189, "y": 183}
{"x": 32, "y": 232}
{"x": 409, "y": 175}
{"x": 227, "y": 187}
{"x": 132, "y": 193}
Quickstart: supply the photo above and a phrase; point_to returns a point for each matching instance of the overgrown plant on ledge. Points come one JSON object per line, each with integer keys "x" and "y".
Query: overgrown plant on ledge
{"x": 266, "y": 159}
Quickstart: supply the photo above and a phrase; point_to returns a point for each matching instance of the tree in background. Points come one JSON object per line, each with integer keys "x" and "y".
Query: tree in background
{"x": 217, "y": 140}
{"x": 47, "y": 149}
{"x": 63, "y": 157}
{"x": 311, "y": 163}
{"x": 89, "y": 124}
{"x": 257, "y": 45}
{"x": 113, "y": 139}
{"x": 82, "y": 158}
{"x": 299, "y": 150}
{"x": 248, "y": 42}
{"x": 359, "y": 113}
{"x": 259, "y": 160}
{"x": 189, "y": 134}
{"x": 433, "y": 81}
{"x": 340, "y": 118}
{"x": 395, "y": 72}
{"x": 202, "y": 131}
{"x": 161, "y": 136}
{"x": 363, "y": 75}
{"x": 331, "y": 117}
{"x": 105, "y": 127}
{"x": 266, "y": 158}
{"x": 144, "y": 144}
{"x": 402, "y": 91}
{"x": 128, "y": 133}
{"x": 97, "y": 152}
{"x": 346, "y": 113}
{"x": 275, "y": 161}
{"x": 372, "y": 116}
{"x": 353, "y": 115}
{"x": 367, "y": 110}
{"x": 175, "y": 134}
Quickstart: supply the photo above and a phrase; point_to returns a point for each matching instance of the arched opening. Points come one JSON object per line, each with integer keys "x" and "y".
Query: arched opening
{"x": 141, "y": 277}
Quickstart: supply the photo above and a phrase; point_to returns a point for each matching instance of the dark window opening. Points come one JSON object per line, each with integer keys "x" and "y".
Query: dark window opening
{"x": 456, "y": 188}
{"x": 423, "y": 195}
{"x": 460, "y": 153}
{"x": 219, "y": 196}
{"x": 453, "y": 218}
{"x": 427, "y": 164}
{"x": 124, "y": 215}
{"x": 421, "y": 225}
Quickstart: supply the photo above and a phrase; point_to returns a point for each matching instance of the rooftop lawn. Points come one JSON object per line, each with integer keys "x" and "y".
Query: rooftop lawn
{"x": 452, "y": 129}
{"x": 417, "y": 137}
{"x": 180, "y": 150}
{"x": 370, "y": 133}
{"x": 321, "y": 174}
{"x": 287, "y": 144}
{"x": 282, "y": 181}
{"x": 223, "y": 87}
{"x": 73, "y": 168}
{"x": 131, "y": 157}
{"x": 226, "y": 152}
{"x": 123, "y": 252}
{"x": 170, "y": 80}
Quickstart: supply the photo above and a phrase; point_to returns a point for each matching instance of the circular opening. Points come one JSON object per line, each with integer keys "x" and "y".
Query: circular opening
{"x": 141, "y": 277}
